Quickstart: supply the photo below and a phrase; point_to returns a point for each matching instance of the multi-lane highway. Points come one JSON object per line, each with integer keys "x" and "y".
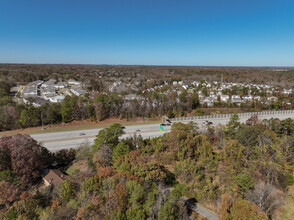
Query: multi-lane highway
{"x": 74, "y": 139}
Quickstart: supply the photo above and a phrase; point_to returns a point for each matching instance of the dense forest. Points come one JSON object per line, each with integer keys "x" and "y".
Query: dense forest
{"x": 238, "y": 171}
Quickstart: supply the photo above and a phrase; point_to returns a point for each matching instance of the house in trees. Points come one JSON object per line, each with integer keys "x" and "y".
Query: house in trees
{"x": 201, "y": 98}
{"x": 185, "y": 87}
{"x": 56, "y": 99}
{"x": 31, "y": 89}
{"x": 133, "y": 97}
{"x": 60, "y": 85}
{"x": 248, "y": 98}
{"x": 78, "y": 91}
{"x": 236, "y": 99}
{"x": 272, "y": 99}
{"x": 53, "y": 178}
{"x": 256, "y": 98}
{"x": 224, "y": 98}
{"x": 73, "y": 82}
{"x": 287, "y": 91}
{"x": 208, "y": 101}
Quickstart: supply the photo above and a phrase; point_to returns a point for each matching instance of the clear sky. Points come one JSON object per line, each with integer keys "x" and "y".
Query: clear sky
{"x": 156, "y": 32}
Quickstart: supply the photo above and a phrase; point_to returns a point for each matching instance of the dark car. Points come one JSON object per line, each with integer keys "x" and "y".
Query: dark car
{"x": 82, "y": 134}
{"x": 208, "y": 122}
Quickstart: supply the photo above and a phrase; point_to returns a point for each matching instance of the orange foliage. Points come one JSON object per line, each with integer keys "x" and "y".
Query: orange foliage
{"x": 105, "y": 172}
{"x": 225, "y": 206}
{"x": 96, "y": 200}
{"x": 121, "y": 192}
{"x": 55, "y": 204}
{"x": 80, "y": 214}
{"x": 25, "y": 195}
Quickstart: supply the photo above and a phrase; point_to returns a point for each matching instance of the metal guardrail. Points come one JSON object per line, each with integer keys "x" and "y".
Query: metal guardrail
{"x": 222, "y": 116}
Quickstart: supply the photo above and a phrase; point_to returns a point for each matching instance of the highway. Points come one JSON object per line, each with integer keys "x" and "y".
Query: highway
{"x": 74, "y": 139}
{"x": 55, "y": 141}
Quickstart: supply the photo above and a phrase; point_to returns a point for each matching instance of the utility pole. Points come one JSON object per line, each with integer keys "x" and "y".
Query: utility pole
{"x": 42, "y": 121}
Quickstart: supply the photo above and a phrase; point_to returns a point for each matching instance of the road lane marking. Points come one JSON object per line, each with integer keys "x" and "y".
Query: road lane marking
{"x": 87, "y": 137}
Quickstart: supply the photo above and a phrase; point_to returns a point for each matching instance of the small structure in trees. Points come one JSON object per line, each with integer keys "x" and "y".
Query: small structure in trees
{"x": 54, "y": 177}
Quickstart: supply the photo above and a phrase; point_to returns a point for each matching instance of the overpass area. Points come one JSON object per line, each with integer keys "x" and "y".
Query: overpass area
{"x": 55, "y": 141}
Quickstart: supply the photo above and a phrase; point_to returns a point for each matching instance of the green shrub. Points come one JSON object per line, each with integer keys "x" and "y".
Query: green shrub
{"x": 67, "y": 190}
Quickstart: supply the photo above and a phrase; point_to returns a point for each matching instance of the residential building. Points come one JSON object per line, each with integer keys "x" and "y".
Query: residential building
{"x": 56, "y": 99}
{"x": 248, "y": 98}
{"x": 54, "y": 177}
{"x": 73, "y": 82}
{"x": 236, "y": 99}
{"x": 224, "y": 98}
{"x": 78, "y": 91}
{"x": 208, "y": 101}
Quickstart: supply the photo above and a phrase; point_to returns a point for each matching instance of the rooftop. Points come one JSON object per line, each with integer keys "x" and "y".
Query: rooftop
{"x": 54, "y": 177}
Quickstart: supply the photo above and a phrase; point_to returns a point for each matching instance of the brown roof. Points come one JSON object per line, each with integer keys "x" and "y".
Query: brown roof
{"x": 54, "y": 177}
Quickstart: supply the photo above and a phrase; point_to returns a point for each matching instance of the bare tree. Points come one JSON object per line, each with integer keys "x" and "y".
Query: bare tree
{"x": 265, "y": 197}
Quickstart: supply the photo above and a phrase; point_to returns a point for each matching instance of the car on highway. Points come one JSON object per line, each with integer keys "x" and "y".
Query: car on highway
{"x": 138, "y": 130}
{"x": 168, "y": 124}
{"x": 82, "y": 134}
{"x": 207, "y": 122}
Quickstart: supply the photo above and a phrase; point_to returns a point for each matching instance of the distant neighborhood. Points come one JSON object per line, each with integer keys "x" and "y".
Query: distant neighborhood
{"x": 39, "y": 92}
{"x": 209, "y": 94}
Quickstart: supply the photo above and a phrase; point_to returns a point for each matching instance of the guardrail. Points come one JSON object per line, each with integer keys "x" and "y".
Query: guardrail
{"x": 245, "y": 114}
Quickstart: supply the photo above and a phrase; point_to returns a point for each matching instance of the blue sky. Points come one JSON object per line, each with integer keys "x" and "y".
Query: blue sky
{"x": 148, "y": 32}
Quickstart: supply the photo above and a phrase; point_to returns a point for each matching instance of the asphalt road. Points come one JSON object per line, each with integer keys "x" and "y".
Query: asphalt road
{"x": 74, "y": 139}
{"x": 200, "y": 209}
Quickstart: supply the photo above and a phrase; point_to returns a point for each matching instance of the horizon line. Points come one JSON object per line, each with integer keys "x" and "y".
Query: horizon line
{"x": 154, "y": 65}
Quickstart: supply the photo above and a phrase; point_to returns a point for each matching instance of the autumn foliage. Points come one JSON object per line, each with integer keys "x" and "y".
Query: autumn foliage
{"x": 24, "y": 156}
